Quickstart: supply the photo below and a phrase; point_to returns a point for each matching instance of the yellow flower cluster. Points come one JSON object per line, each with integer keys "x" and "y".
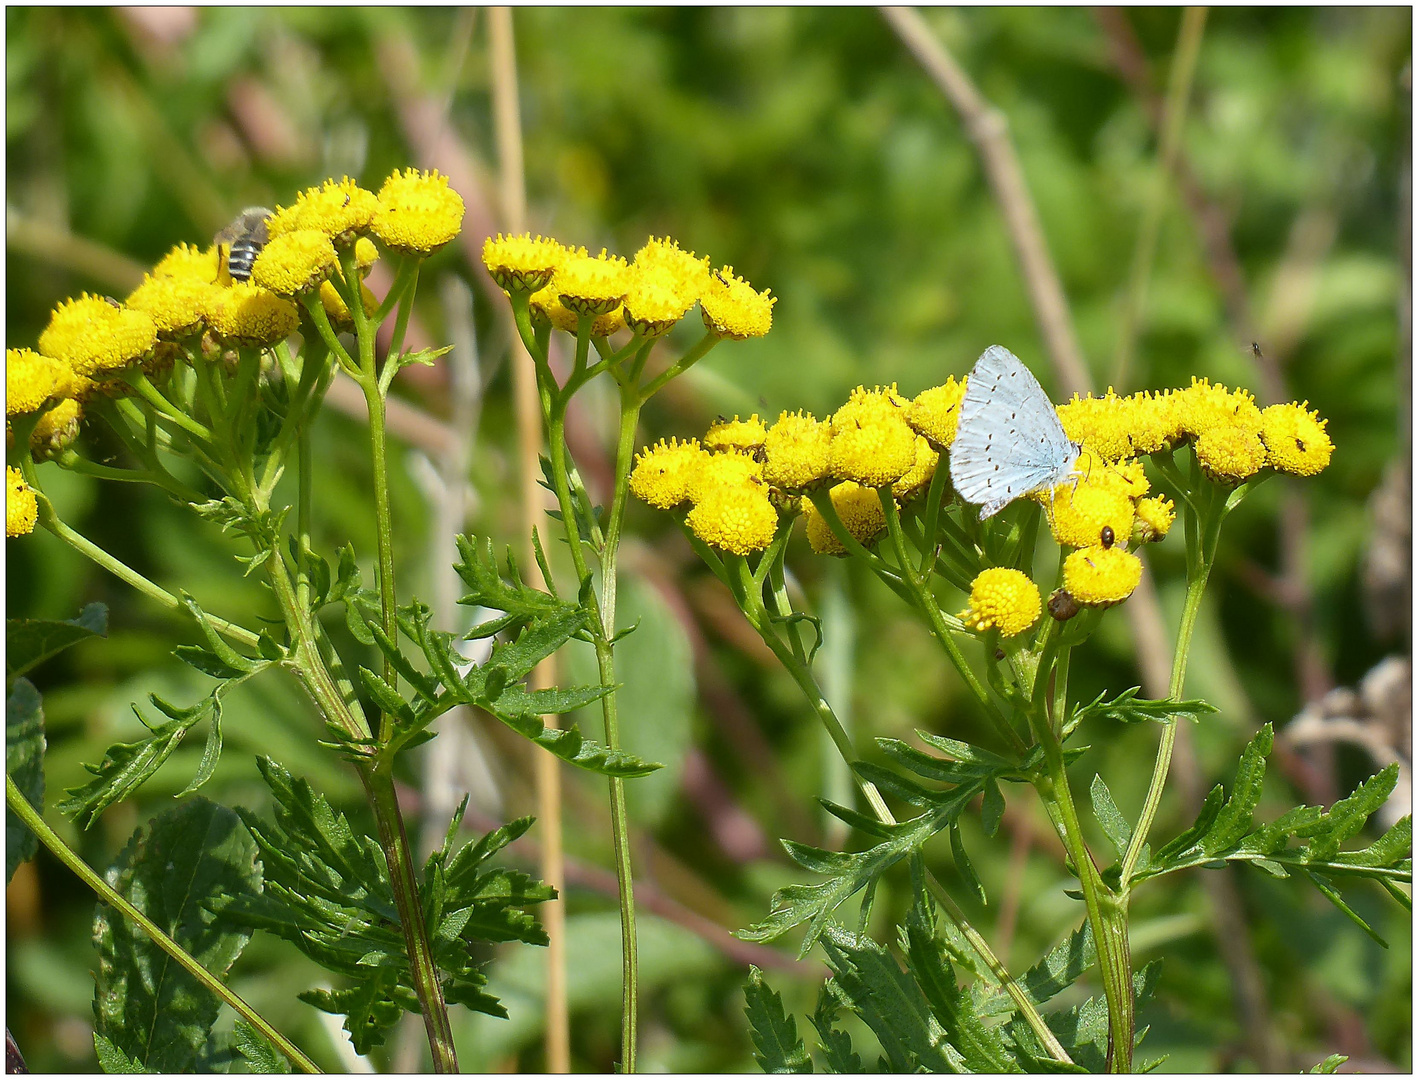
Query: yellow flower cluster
{"x": 649, "y": 294}
{"x": 1002, "y": 599}
{"x": 21, "y": 507}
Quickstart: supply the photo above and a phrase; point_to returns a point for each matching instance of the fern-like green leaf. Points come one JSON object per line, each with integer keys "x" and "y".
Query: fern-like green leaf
{"x": 775, "y": 1034}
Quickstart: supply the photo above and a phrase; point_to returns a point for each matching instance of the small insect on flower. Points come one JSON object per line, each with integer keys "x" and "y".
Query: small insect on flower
{"x": 242, "y": 240}
{"x": 1105, "y": 536}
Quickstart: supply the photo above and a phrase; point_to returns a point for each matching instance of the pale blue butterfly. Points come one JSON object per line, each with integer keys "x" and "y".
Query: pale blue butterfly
{"x": 1010, "y": 441}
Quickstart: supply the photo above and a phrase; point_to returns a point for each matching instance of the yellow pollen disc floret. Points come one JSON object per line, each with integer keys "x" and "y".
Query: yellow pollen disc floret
{"x": 295, "y": 262}
{"x": 32, "y": 381}
{"x": 731, "y": 469}
{"x": 654, "y": 301}
{"x": 1295, "y": 439}
{"x": 418, "y": 212}
{"x": 94, "y": 336}
{"x": 1229, "y": 455}
{"x": 1203, "y": 407}
{"x": 250, "y": 315}
{"x": 736, "y": 434}
{"x": 935, "y": 413}
{"x": 1154, "y": 518}
{"x": 871, "y": 442}
{"x": 339, "y": 209}
{"x": 917, "y": 478}
{"x": 365, "y": 252}
{"x": 591, "y": 284}
{"x": 1102, "y": 424}
{"x": 733, "y": 518}
{"x": 733, "y": 308}
{"x": 662, "y": 473}
{"x": 1155, "y": 422}
{"x": 522, "y": 263}
{"x": 21, "y": 507}
{"x": 187, "y": 261}
{"x": 1100, "y": 577}
{"x": 1078, "y": 513}
{"x": 860, "y": 511}
{"x": 176, "y": 304}
{"x": 795, "y": 451}
{"x": 685, "y": 272}
{"x": 1002, "y": 599}
{"x": 56, "y": 429}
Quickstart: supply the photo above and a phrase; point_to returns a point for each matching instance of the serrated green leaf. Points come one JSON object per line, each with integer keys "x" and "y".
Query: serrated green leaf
{"x": 1330, "y": 1064}
{"x": 1060, "y": 968}
{"x": 1347, "y": 816}
{"x": 1128, "y": 708}
{"x": 260, "y": 1054}
{"x": 775, "y": 1034}
{"x": 24, "y": 762}
{"x": 1115, "y": 826}
{"x": 151, "y": 1009}
{"x": 991, "y": 807}
{"x": 1083, "y": 1030}
{"x": 836, "y": 1045}
{"x": 371, "y": 1007}
{"x": 1186, "y": 840}
{"x": 32, "y": 641}
{"x": 113, "y": 1060}
{"x": 1236, "y": 818}
{"x": 519, "y": 602}
{"x": 1331, "y": 894}
{"x": 571, "y": 746}
{"x": 963, "y": 866}
{"x": 206, "y": 661}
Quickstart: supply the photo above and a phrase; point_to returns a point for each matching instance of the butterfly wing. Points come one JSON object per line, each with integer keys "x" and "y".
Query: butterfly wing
{"x": 1010, "y": 441}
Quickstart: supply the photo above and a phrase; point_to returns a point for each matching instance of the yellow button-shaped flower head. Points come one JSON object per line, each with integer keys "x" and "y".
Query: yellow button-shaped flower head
{"x": 935, "y": 413}
{"x": 1203, "y": 407}
{"x": 662, "y": 473}
{"x": 189, "y": 262}
{"x": 1230, "y": 454}
{"x": 654, "y": 301}
{"x": 1078, "y": 512}
{"x": 249, "y": 315}
{"x": 1155, "y": 422}
{"x": 795, "y": 451}
{"x": 95, "y": 336}
{"x": 683, "y": 271}
{"x": 295, "y": 262}
{"x": 177, "y": 303}
{"x": 591, "y": 284}
{"x": 1002, "y": 599}
{"x": 522, "y": 263}
{"x": 731, "y": 469}
{"x": 1154, "y": 518}
{"x": 418, "y": 212}
{"x": 339, "y": 209}
{"x": 1100, "y": 577}
{"x": 56, "y": 429}
{"x": 547, "y": 305}
{"x": 1295, "y": 439}
{"x": 734, "y": 518}
{"x": 32, "y": 381}
{"x": 860, "y": 511}
{"x": 914, "y": 481}
{"x": 746, "y": 435}
{"x": 1101, "y": 424}
{"x": 733, "y": 308}
{"x": 871, "y": 442}
{"x": 21, "y": 507}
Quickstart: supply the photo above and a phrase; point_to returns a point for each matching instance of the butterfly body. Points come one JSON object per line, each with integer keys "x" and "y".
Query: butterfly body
{"x": 1010, "y": 441}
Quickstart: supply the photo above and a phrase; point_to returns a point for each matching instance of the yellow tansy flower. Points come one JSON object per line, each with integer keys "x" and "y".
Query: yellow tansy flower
{"x": 339, "y": 209}
{"x": 295, "y": 262}
{"x": 654, "y": 302}
{"x": 189, "y": 262}
{"x": 1155, "y": 422}
{"x": 547, "y": 305}
{"x": 735, "y": 519}
{"x": 177, "y": 304}
{"x": 522, "y": 263}
{"x": 1078, "y": 513}
{"x": 95, "y": 336}
{"x": 733, "y": 308}
{"x": 591, "y": 284}
{"x": 917, "y": 478}
{"x": 731, "y": 469}
{"x": 21, "y": 507}
{"x": 736, "y": 434}
{"x": 685, "y": 272}
{"x": 1229, "y": 455}
{"x": 366, "y": 253}
{"x": 1203, "y": 407}
{"x": 252, "y": 316}
{"x": 1295, "y": 439}
{"x": 1002, "y": 599}
{"x": 871, "y": 442}
{"x": 860, "y": 511}
{"x": 795, "y": 451}
{"x": 1100, "y": 577}
{"x": 56, "y": 429}
{"x": 31, "y": 381}
{"x": 662, "y": 473}
{"x": 336, "y": 308}
{"x": 1103, "y": 424}
{"x": 935, "y": 413}
{"x": 418, "y": 212}
{"x": 1154, "y": 518}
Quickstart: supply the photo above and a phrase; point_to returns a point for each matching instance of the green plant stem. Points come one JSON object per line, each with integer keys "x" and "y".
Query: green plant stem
{"x": 22, "y": 809}
{"x": 170, "y": 412}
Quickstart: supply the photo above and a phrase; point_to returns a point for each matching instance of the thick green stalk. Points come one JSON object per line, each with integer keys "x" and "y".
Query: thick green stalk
{"x": 22, "y": 809}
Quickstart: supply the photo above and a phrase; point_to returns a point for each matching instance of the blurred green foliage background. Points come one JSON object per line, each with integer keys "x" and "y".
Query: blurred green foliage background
{"x": 806, "y": 148}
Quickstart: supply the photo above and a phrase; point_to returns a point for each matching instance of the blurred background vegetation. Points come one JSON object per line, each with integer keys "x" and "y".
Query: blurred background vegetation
{"x": 807, "y": 149}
